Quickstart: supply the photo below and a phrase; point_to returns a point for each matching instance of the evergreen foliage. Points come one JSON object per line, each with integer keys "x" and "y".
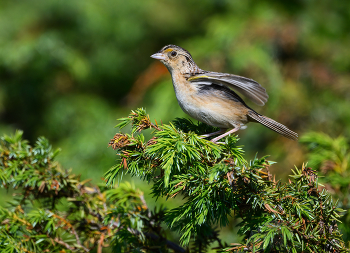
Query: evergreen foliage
{"x": 53, "y": 210}
{"x": 331, "y": 157}
{"x": 216, "y": 181}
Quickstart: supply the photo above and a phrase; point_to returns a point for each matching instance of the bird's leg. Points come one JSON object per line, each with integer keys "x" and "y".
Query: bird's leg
{"x": 222, "y": 130}
{"x": 225, "y": 134}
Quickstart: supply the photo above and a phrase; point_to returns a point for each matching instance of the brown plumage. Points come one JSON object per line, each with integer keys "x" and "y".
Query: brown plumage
{"x": 273, "y": 125}
{"x": 208, "y": 96}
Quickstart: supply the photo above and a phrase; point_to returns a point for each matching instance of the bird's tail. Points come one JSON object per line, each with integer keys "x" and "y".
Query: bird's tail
{"x": 273, "y": 125}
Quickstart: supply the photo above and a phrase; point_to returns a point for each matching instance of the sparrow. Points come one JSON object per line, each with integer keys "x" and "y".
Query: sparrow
{"x": 209, "y": 97}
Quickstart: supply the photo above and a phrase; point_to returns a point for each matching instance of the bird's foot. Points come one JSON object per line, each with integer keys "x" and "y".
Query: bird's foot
{"x": 225, "y": 134}
{"x": 212, "y": 134}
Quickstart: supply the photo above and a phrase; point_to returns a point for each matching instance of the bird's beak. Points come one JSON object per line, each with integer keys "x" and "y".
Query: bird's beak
{"x": 158, "y": 56}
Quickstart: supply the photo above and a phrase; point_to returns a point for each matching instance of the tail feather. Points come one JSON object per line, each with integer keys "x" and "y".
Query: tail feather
{"x": 273, "y": 125}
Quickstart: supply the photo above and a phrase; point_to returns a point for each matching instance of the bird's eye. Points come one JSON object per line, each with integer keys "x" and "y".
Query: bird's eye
{"x": 173, "y": 53}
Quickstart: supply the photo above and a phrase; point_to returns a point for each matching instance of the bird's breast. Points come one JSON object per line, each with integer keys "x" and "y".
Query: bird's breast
{"x": 212, "y": 108}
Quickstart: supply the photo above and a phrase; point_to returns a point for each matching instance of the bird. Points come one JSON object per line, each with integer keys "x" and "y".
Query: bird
{"x": 209, "y": 96}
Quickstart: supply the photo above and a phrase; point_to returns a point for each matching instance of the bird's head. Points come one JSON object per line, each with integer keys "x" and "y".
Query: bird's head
{"x": 176, "y": 58}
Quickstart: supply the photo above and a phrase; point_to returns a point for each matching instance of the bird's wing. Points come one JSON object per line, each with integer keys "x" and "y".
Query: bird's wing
{"x": 247, "y": 87}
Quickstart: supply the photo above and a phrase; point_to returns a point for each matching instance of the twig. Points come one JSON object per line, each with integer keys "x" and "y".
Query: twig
{"x": 156, "y": 127}
{"x": 174, "y": 194}
{"x": 78, "y": 240}
{"x": 100, "y": 243}
{"x": 64, "y": 244}
{"x": 229, "y": 177}
{"x": 72, "y": 231}
{"x": 142, "y": 198}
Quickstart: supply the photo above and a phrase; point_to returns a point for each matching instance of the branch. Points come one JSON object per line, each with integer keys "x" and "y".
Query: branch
{"x": 78, "y": 240}
{"x": 100, "y": 243}
{"x": 72, "y": 231}
{"x": 64, "y": 244}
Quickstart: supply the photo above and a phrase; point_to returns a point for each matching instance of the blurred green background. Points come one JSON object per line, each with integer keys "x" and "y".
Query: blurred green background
{"x": 69, "y": 69}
